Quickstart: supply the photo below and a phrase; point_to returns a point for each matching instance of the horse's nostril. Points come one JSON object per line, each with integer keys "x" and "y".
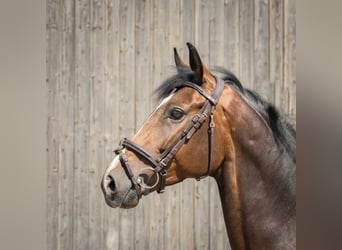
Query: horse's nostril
{"x": 111, "y": 183}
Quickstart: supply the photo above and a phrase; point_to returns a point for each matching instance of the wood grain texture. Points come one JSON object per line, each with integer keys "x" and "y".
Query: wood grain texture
{"x": 104, "y": 60}
{"x": 246, "y": 49}
{"x": 52, "y": 71}
{"x": 96, "y": 138}
{"x": 126, "y": 103}
{"x": 82, "y": 125}
{"x": 112, "y": 112}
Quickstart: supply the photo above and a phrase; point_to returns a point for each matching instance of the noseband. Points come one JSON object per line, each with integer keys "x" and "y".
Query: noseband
{"x": 161, "y": 164}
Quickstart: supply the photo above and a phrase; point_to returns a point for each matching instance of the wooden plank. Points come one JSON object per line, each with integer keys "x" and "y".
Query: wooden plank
{"x": 202, "y": 214}
{"x": 202, "y": 29}
{"x": 262, "y": 83}
{"x": 82, "y": 125}
{"x": 96, "y": 140}
{"x": 247, "y": 43}
{"x": 216, "y": 33}
{"x": 66, "y": 146}
{"x": 143, "y": 105}
{"x": 289, "y": 102}
{"x": 276, "y": 48}
{"x": 52, "y": 72}
{"x": 232, "y": 36}
{"x": 188, "y": 23}
{"x": 112, "y": 97}
{"x": 186, "y": 215}
{"x": 171, "y": 218}
{"x": 127, "y": 106}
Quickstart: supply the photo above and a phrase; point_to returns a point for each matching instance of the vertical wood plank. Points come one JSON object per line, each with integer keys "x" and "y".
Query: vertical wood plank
{"x": 289, "y": 102}
{"x": 82, "y": 125}
{"x": 232, "y": 36}
{"x": 112, "y": 96}
{"x": 202, "y": 27}
{"x": 143, "y": 105}
{"x": 216, "y": 33}
{"x": 96, "y": 141}
{"x": 127, "y": 106}
{"x": 66, "y": 147}
{"x": 202, "y": 214}
{"x": 52, "y": 74}
{"x": 186, "y": 215}
{"x": 276, "y": 48}
{"x": 247, "y": 43}
{"x": 262, "y": 83}
{"x": 188, "y": 24}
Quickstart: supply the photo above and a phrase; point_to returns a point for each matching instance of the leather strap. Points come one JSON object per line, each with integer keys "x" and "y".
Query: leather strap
{"x": 140, "y": 151}
{"x": 129, "y": 173}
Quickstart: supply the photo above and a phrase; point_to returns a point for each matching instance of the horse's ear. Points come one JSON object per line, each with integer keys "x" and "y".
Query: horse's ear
{"x": 201, "y": 72}
{"x": 195, "y": 62}
{"x": 178, "y": 61}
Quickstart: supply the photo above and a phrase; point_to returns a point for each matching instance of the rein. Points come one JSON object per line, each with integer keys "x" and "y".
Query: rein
{"x": 161, "y": 164}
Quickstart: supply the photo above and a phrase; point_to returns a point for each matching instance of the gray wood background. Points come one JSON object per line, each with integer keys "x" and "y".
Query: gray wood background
{"x": 104, "y": 59}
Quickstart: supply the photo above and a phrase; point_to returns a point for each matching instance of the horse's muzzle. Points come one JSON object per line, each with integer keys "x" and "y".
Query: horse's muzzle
{"x": 128, "y": 198}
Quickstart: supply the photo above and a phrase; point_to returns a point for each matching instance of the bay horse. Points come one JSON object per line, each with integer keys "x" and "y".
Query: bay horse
{"x": 209, "y": 125}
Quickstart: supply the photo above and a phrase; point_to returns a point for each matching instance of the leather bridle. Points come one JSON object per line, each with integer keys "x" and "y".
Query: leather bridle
{"x": 161, "y": 164}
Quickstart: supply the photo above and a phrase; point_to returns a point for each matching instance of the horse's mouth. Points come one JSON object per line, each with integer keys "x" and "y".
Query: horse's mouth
{"x": 129, "y": 200}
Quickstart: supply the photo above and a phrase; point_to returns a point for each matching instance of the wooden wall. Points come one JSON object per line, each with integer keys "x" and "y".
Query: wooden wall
{"x": 104, "y": 59}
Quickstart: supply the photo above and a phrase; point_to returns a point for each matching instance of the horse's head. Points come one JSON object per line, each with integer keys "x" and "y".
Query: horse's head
{"x": 176, "y": 140}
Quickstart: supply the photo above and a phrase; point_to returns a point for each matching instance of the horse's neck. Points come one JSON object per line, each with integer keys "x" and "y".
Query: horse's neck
{"x": 256, "y": 201}
{"x": 255, "y": 217}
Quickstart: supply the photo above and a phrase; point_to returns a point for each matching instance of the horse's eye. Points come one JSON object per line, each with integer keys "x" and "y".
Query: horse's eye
{"x": 176, "y": 114}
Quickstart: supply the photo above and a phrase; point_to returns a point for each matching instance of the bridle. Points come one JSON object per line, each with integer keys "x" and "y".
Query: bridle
{"x": 161, "y": 164}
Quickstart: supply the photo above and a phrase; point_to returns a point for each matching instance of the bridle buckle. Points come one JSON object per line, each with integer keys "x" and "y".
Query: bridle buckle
{"x": 163, "y": 163}
{"x": 162, "y": 181}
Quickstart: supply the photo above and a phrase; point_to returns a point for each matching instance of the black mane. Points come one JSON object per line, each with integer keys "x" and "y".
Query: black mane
{"x": 283, "y": 132}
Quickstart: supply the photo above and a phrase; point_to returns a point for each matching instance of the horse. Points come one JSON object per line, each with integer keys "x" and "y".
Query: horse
{"x": 208, "y": 124}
